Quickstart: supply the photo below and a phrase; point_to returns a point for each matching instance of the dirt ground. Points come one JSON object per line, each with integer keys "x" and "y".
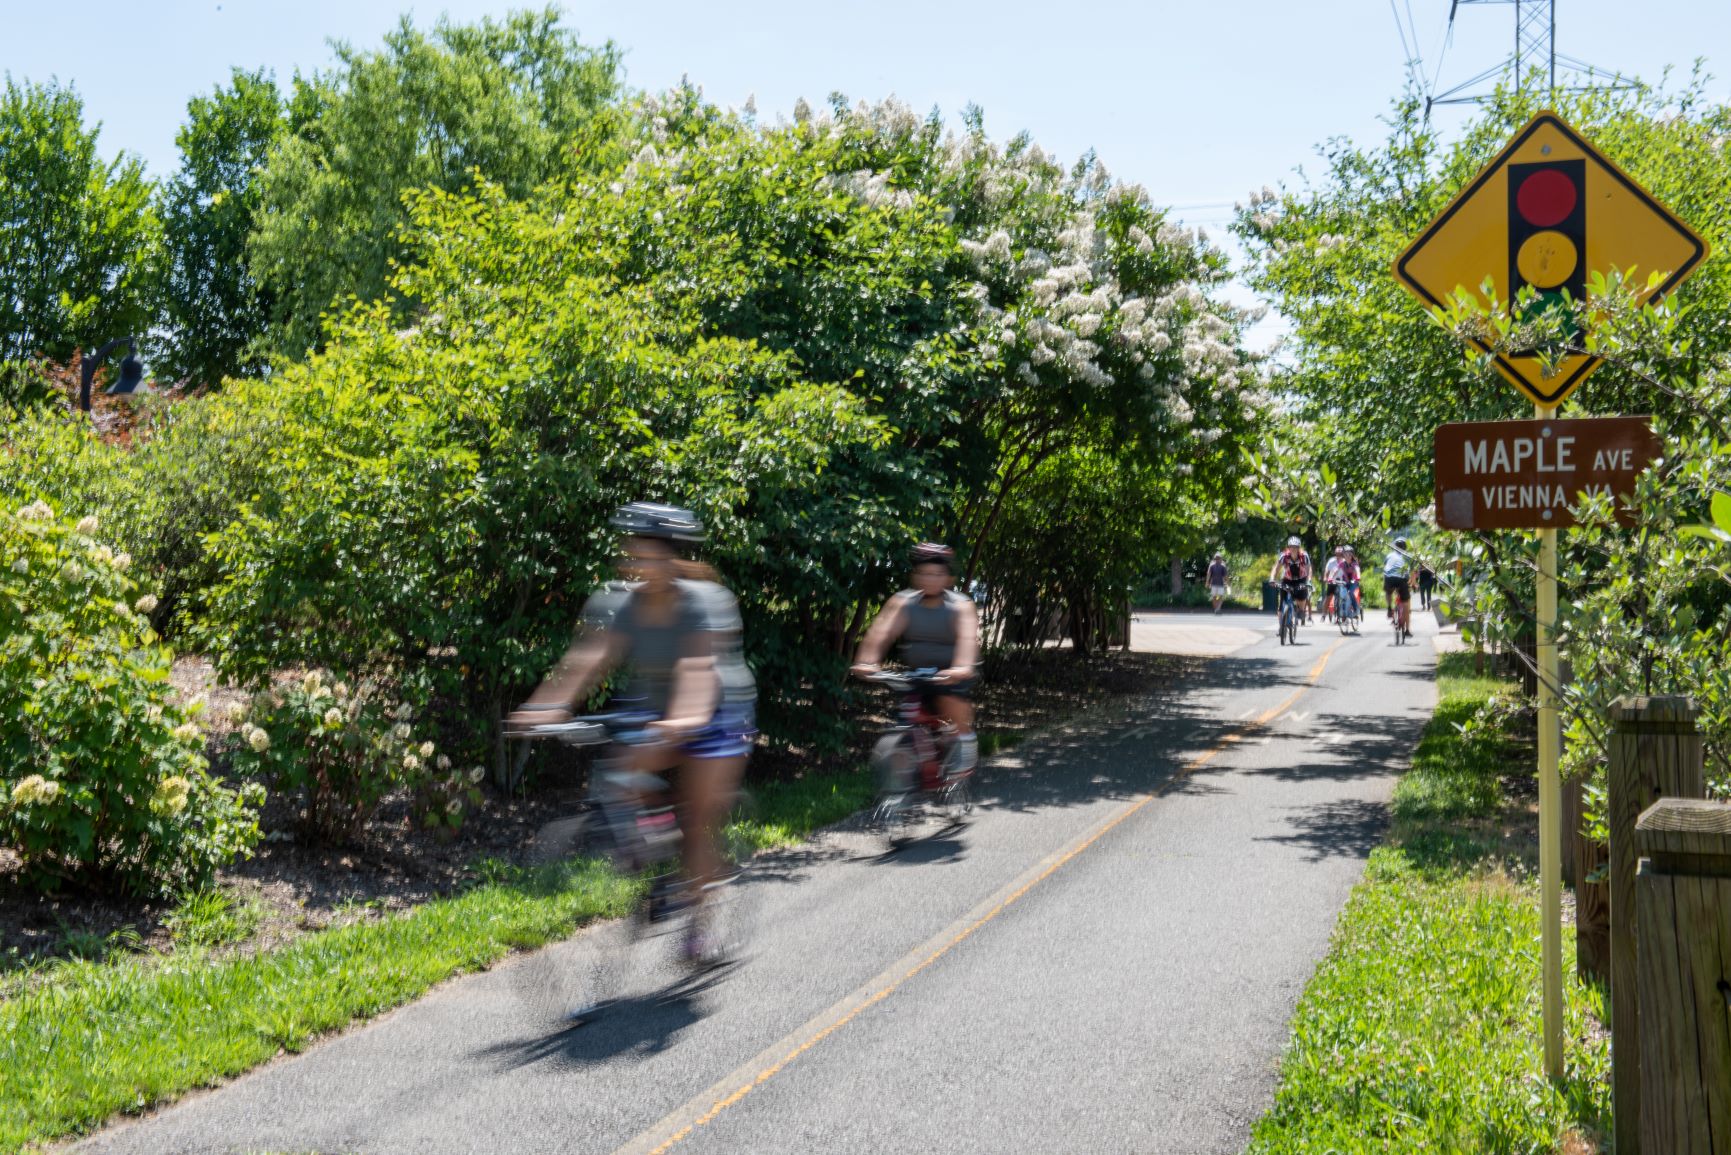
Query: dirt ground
{"x": 289, "y": 887}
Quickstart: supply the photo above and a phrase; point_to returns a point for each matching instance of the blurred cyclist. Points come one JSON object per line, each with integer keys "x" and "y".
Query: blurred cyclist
{"x": 680, "y": 640}
{"x": 1292, "y": 570}
{"x": 938, "y": 629}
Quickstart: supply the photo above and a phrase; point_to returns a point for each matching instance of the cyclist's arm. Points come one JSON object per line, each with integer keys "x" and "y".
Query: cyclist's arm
{"x": 696, "y": 689}
{"x": 578, "y": 672}
{"x": 884, "y": 630}
{"x": 967, "y": 654}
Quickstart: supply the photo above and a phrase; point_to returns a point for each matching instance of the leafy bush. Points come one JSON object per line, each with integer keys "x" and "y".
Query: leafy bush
{"x": 184, "y": 474}
{"x": 343, "y": 749}
{"x": 103, "y": 775}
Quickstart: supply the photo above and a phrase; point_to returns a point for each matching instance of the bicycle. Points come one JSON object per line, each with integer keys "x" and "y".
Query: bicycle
{"x": 1402, "y": 620}
{"x": 1288, "y": 616}
{"x": 627, "y": 820}
{"x": 910, "y": 763}
{"x": 1347, "y": 613}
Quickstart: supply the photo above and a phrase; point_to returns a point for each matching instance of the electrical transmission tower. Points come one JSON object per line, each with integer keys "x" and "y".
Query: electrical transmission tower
{"x": 1534, "y": 61}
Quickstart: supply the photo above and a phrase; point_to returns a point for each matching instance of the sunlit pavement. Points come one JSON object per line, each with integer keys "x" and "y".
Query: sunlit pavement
{"x": 1105, "y": 959}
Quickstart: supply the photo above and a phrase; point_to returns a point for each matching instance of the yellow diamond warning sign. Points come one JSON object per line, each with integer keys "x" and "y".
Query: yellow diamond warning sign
{"x": 1546, "y": 212}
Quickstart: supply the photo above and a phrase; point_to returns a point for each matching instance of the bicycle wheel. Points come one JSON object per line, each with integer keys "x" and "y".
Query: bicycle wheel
{"x": 729, "y": 907}
{"x": 956, "y": 801}
{"x": 576, "y": 980}
{"x": 895, "y": 764}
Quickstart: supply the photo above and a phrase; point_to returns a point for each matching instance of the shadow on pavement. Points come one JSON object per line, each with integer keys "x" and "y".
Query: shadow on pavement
{"x": 1134, "y": 749}
{"x": 641, "y": 1024}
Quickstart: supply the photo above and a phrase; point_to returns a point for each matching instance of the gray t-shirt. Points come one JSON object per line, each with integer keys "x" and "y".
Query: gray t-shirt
{"x": 727, "y": 642}
{"x": 652, "y": 648}
{"x": 706, "y": 610}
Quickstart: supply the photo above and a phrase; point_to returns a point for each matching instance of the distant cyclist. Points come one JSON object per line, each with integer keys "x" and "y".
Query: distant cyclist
{"x": 1330, "y": 577}
{"x": 937, "y": 629}
{"x": 1397, "y": 586}
{"x": 1348, "y": 578}
{"x": 1292, "y": 570}
{"x": 679, "y": 639}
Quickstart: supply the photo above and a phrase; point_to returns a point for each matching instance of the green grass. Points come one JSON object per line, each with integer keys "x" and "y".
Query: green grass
{"x": 98, "y": 1038}
{"x": 1420, "y": 1031}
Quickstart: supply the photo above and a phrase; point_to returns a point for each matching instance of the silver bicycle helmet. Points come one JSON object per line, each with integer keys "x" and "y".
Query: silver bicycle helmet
{"x": 650, "y": 519}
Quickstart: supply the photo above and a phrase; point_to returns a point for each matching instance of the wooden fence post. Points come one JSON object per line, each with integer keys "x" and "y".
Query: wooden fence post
{"x": 1655, "y": 753}
{"x": 1684, "y": 973}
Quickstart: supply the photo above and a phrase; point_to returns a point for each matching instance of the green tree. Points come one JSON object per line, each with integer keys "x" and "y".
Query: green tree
{"x": 215, "y": 310}
{"x": 79, "y": 240}
{"x": 1369, "y": 370}
{"x": 505, "y": 101}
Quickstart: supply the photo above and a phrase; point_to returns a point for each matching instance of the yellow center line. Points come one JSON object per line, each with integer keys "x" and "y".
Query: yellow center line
{"x": 886, "y": 984}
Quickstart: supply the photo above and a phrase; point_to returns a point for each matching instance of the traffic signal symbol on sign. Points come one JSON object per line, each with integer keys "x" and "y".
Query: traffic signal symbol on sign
{"x": 1547, "y": 212}
{"x": 1548, "y": 236}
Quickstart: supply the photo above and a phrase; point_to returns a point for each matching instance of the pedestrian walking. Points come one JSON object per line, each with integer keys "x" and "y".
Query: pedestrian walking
{"x": 1217, "y": 578}
{"x": 1426, "y": 583}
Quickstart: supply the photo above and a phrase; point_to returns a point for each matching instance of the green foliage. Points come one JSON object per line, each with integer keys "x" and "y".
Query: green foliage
{"x": 190, "y": 467}
{"x": 1369, "y": 367}
{"x": 782, "y": 327}
{"x": 214, "y": 309}
{"x": 24, "y": 388}
{"x": 79, "y": 241}
{"x": 341, "y": 748}
{"x": 1421, "y": 1029}
{"x": 104, "y": 777}
{"x": 501, "y": 101}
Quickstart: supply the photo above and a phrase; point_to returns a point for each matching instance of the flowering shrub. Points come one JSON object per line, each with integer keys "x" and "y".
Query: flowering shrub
{"x": 101, "y": 774}
{"x": 344, "y": 749}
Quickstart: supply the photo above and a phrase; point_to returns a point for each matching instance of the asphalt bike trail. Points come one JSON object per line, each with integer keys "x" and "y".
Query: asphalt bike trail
{"x": 1105, "y": 958}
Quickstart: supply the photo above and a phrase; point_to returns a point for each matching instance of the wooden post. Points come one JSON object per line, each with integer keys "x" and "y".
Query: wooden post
{"x": 1655, "y": 753}
{"x": 1684, "y": 974}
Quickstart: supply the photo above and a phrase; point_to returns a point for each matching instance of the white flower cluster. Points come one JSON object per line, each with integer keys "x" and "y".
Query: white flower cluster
{"x": 35, "y": 790}
{"x": 36, "y": 511}
{"x": 171, "y": 795}
{"x": 873, "y": 189}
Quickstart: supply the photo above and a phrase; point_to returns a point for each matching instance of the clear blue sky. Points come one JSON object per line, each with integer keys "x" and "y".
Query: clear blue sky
{"x": 1198, "y": 101}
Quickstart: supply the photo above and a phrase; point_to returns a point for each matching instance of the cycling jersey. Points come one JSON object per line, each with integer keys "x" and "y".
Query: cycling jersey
{"x": 1395, "y": 566}
{"x": 1294, "y": 567}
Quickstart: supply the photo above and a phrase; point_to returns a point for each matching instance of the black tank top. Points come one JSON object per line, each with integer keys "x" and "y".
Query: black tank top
{"x": 929, "y": 632}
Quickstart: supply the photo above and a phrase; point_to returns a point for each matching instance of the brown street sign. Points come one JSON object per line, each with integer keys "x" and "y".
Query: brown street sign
{"x": 1527, "y": 474}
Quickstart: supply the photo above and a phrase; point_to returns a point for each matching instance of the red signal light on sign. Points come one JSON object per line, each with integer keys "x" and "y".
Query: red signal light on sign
{"x": 1547, "y": 233}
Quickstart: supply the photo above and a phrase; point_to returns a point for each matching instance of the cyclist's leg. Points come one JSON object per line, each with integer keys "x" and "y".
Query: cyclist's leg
{"x": 707, "y": 789}
{"x": 957, "y": 708}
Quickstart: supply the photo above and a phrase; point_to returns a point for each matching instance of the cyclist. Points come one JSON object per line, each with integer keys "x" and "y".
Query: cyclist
{"x": 1397, "y": 587}
{"x": 1217, "y": 579}
{"x": 679, "y": 638}
{"x": 937, "y": 628}
{"x": 1330, "y": 577}
{"x": 1348, "y": 576}
{"x": 1292, "y": 570}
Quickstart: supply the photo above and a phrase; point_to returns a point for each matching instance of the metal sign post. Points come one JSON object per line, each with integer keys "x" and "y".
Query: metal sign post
{"x": 1550, "y": 799}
